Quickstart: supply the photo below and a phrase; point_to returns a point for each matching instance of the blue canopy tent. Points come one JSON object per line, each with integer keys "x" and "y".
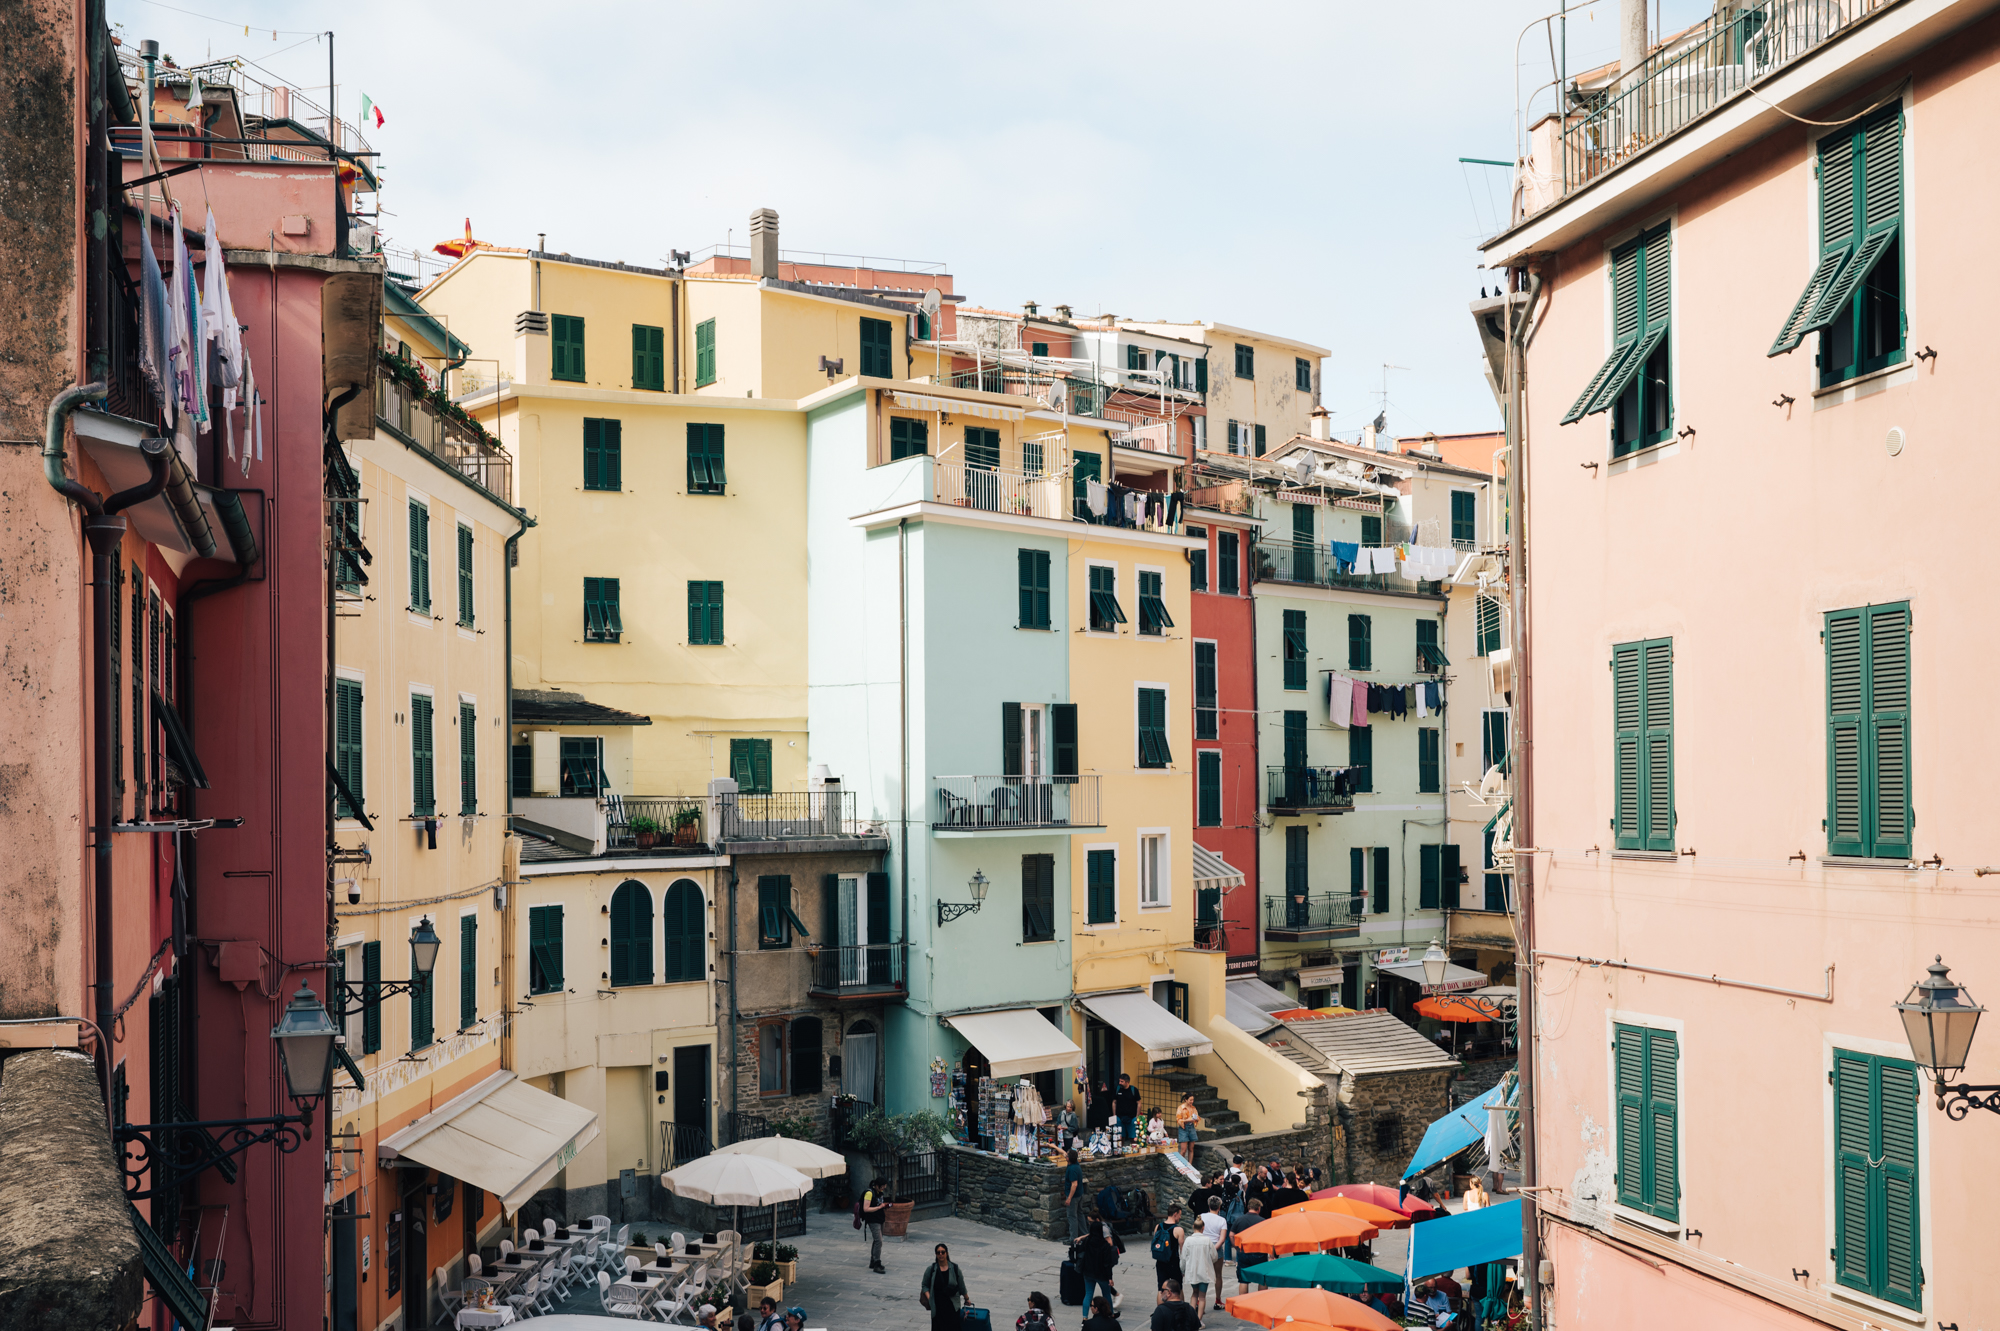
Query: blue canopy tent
{"x": 1455, "y": 1131}
{"x": 1490, "y": 1234}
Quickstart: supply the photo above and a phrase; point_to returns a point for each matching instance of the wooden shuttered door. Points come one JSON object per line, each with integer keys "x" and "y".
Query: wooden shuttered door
{"x": 423, "y": 757}
{"x": 1868, "y": 732}
{"x": 649, "y": 357}
{"x": 603, "y": 454}
{"x": 1647, "y": 1066}
{"x": 1878, "y": 1245}
{"x": 371, "y": 998}
{"x": 1643, "y": 765}
{"x": 1427, "y": 760}
{"x": 632, "y": 934}
{"x": 468, "y": 970}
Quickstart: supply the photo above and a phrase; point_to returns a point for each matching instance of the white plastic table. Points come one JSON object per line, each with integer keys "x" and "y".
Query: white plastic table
{"x": 471, "y": 1317}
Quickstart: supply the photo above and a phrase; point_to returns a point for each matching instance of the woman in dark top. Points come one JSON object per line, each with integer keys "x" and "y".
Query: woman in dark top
{"x": 1101, "y": 1316}
{"x": 944, "y": 1291}
{"x": 1098, "y": 1113}
{"x": 1096, "y": 1258}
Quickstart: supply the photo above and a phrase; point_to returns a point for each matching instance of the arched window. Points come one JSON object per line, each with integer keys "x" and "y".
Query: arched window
{"x": 805, "y": 1056}
{"x": 687, "y": 933}
{"x": 632, "y": 933}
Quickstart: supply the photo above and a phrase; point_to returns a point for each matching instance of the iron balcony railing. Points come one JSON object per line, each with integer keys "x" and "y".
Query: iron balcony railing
{"x": 1314, "y": 566}
{"x": 787, "y": 815}
{"x": 1313, "y": 915}
{"x": 1076, "y": 396}
{"x": 671, "y": 820}
{"x": 971, "y": 485}
{"x": 868, "y": 969}
{"x": 1693, "y": 74}
{"x": 1001, "y": 803}
{"x": 682, "y": 1142}
{"x": 1309, "y": 788}
{"x": 485, "y": 465}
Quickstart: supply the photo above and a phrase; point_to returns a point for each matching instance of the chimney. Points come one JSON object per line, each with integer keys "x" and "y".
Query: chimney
{"x": 1321, "y": 419}
{"x": 1030, "y": 308}
{"x": 1631, "y": 35}
{"x": 1063, "y": 313}
{"x": 764, "y": 243}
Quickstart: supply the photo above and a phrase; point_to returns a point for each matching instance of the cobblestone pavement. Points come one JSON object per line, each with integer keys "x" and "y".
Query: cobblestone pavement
{"x": 840, "y": 1293}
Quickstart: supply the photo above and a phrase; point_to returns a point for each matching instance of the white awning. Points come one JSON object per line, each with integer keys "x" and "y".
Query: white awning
{"x": 1159, "y": 1032}
{"x": 956, "y": 407}
{"x": 1211, "y": 870}
{"x": 1017, "y": 1042}
{"x": 1456, "y": 978}
{"x": 503, "y": 1136}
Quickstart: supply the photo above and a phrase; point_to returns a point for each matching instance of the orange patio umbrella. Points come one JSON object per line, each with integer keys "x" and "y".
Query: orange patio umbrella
{"x": 1323, "y": 1310}
{"x": 1380, "y": 1216}
{"x": 1305, "y": 1231}
{"x": 1377, "y": 1194}
{"x": 1447, "y": 1007}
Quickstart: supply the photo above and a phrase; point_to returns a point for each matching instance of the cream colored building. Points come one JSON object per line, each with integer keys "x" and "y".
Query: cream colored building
{"x": 1260, "y": 389}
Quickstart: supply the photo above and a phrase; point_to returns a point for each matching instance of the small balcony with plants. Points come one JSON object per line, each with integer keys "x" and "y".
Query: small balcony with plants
{"x": 870, "y": 972}
{"x": 1290, "y": 790}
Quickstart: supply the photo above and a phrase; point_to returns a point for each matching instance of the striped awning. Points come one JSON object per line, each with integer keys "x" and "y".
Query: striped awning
{"x": 957, "y": 407}
{"x": 1211, "y": 870}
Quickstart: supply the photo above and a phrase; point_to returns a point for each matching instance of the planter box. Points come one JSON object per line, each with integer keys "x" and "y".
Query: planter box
{"x": 896, "y": 1224}
{"x": 775, "y": 1291}
{"x": 788, "y": 1272}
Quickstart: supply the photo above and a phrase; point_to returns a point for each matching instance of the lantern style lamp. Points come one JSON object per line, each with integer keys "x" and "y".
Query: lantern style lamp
{"x": 423, "y": 951}
{"x": 948, "y": 911}
{"x": 978, "y": 884}
{"x": 1939, "y": 1017}
{"x": 305, "y": 1036}
{"x": 1435, "y": 962}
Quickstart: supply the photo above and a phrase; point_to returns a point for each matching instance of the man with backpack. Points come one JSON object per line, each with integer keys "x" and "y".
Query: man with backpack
{"x": 1167, "y": 1236}
{"x": 869, "y": 1211}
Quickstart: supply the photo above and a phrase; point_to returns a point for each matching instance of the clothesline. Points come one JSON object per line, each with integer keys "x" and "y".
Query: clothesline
{"x": 1350, "y": 701}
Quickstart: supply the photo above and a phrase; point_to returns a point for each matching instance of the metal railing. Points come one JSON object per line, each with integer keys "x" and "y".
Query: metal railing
{"x": 486, "y": 465}
{"x": 787, "y": 815}
{"x": 682, "y": 1142}
{"x": 1314, "y": 566}
{"x": 1078, "y": 396}
{"x": 990, "y": 803}
{"x": 969, "y": 485}
{"x": 675, "y": 819}
{"x": 1323, "y": 913}
{"x": 1308, "y": 788}
{"x": 868, "y": 968}
{"x": 1692, "y": 75}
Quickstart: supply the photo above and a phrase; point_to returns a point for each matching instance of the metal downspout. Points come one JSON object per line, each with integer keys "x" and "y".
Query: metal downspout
{"x": 903, "y": 728}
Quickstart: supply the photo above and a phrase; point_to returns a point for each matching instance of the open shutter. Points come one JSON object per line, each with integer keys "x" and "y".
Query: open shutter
{"x": 371, "y": 998}
{"x": 1599, "y": 393}
{"x": 1663, "y": 1123}
{"x": 1062, "y": 737}
{"x": 468, "y": 970}
{"x": 760, "y": 765}
{"x": 879, "y": 929}
{"x": 622, "y": 902}
{"x": 1888, "y": 747}
{"x": 1427, "y": 888}
{"x": 1627, "y": 722}
{"x": 704, "y": 353}
{"x": 1380, "y": 868}
{"x": 1845, "y": 668}
{"x": 1010, "y": 739}
{"x": 1629, "y": 1051}
{"x": 1659, "y": 745}
{"x": 1449, "y": 872}
{"x": 1900, "y": 1278}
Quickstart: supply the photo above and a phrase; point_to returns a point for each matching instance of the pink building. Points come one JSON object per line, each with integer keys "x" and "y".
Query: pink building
{"x": 1756, "y": 467}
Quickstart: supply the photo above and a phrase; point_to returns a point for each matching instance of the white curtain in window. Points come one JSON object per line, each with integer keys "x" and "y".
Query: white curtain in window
{"x": 857, "y": 1067}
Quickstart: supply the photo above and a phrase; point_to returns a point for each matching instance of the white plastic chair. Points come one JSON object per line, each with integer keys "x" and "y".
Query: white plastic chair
{"x": 680, "y": 1245}
{"x": 451, "y": 1299}
{"x": 678, "y": 1302}
{"x": 615, "y": 1305}
{"x": 561, "y": 1277}
{"x": 473, "y": 1265}
{"x": 599, "y": 1221}
{"x": 660, "y": 1251}
{"x": 506, "y": 1249}
{"x": 525, "y": 1304}
{"x": 548, "y": 1229}
{"x": 631, "y": 1264}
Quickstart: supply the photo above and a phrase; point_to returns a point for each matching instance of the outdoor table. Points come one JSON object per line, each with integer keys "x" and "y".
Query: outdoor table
{"x": 470, "y": 1317}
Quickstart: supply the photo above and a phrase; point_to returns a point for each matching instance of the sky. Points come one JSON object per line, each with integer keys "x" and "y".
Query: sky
{"x": 1288, "y": 168}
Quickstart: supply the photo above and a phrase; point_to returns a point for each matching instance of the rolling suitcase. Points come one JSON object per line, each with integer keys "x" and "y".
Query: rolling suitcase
{"x": 1071, "y": 1283}
{"x": 975, "y": 1319}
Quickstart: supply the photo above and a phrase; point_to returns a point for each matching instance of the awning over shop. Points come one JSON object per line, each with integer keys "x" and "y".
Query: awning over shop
{"x": 503, "y": 1136}
{"x": 1490, "y": 1234}
{"x": 1456, "y": 978}
{"x": 1017, "y": 1041}
{"x": 1455, "y": 1131}
{"x": 1211, "y": 870}
{"x": 1159, "y": 1032}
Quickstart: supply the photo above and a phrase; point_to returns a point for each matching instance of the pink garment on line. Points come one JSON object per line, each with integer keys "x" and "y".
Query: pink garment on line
{"x": 1360, "y": 703}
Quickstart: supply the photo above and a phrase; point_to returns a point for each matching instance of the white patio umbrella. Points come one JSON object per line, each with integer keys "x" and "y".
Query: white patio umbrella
{"x": 738, "y": 1180}
{"x": 811, "y": 1160}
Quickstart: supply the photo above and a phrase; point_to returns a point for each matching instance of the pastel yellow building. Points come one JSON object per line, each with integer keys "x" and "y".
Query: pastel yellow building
{"x": 1260, "y": 388}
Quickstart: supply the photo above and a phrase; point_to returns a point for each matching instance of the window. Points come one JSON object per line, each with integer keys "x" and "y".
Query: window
{"x": 468, "y": 971}
{"x": 923, "y": 326}
{"x": 1260, "y": 441}
{"x": 1038, "y": 898}
{"x": 1360, "y": 648}
{"x": 1634, "y": 383}
{"x": 771, "y": 1058}
{"x": 807, "y": 1067}
{"x": 686, "y": 934}
{"x": 1876, "y": 1244}
{"x": 1293, "y": 725}
{"x": 1304, "y": 563}
{"x": 1101, "y": 877}
{"x": 603, "y": 454}
{"x": 1492, "y": 739}
{"x": 581, "y": 762}
{"x": 750, "y": 765}
{"x": 631, "y": 934}
{"x": 1361, "y": 757}
{"x": 1201, "y": 375}
{"x": 371, "y": 998}
{"x": 1642, "y": 683}
{"x": 649, "y": 358}
{"x": 1427, "y": 760}
{"x": 1208, "y": 788}
{"x": 1038, "y": 348}
{"x": 1486, "y": 625}
{"x": 1246, "y": 361}
{"x": 706, "y": 474}
{"x": 1298, "y": 871}
{"x": 1868, "y": 732}
{"x": 1153, "y": 751}
{"x": 1389, "y": 1135}
{"x": 1034, "y": 571}
{"x": 1647, "y": 1062}
{"x": 1105, "y": 613}
{"x": 468, "y": 759}
{"x": 878, "y": 346}
{"x": 423, "y": 1002}
{"x": 1371, "y": 529}
{"x": 908, "y": 438}
{"x": 343, "y": 490}
{"x": 1153, "y": 614}
{"x": 347, "y": 744}
{"x": 1302, "y": 374}
{"x": 1496, "y": 883}
{"x": 1153, "y": 889}
{"x": 775, "y": 920}
{"x": 1136, "y": 358}
{"x": 1464, "y": 524}
{"x": 601, "y": 620}
{"x": 1236, "y": 437}
{"x": 521, "y": 769}
{"x": 1226, "y": 545}
{"x": 1062, "y": 739}
{"x": 704, "y": 353}
{"x": 423, "y": 757}
{"x": 1205, "y": 713}
{"x": 1198, "y": 561}
{"x": 420, "y": 558}
{"x": 1429, "y": 657}
{"x": 982, "y": 448}
{"x": 705, "y": 614}
{"x": 1854, "y": 299}
{"x": 1438, "y": 877}
{"x": 465, "y": 605}
{"x": 566, "y": 347}
{"x": 1295, "y": 649}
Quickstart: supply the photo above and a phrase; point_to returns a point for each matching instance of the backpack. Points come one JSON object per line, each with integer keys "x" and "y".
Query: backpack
{"x": 1163, "y": 1243}
{"x": 1036, "y": 1320}
{"x": 857, "y": 1213}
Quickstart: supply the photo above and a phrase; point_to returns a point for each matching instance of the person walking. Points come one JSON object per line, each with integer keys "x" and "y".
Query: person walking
{"x": 1039, "y": 1317}
{"x": 1185, "y": 1119}
{"x": 1171, "y": 1314}
{"x": 1167, "y": 1238}
{"x": 1246, "y": 1262}
{"x": 1198, "y": 1272}
{"x": 1096, "y": 1259}
{"x": 944, "y": 1291}
{"x": 1214, "y": 1223}
{"x": 1101, "y": 1316}
{"x": 1127, "y": 1104}
{"x": 1073, "y": 1196}
{"x": 874, "y": 1210}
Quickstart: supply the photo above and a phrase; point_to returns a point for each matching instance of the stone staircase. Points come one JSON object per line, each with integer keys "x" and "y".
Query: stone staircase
{"x": 1217, "y": 1118}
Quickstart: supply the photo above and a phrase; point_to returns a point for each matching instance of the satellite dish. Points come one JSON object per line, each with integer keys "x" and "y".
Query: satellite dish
{"x": 933, "y": 301}
{"x": 1303, "y": 470}
{"x": 1054, "y": 396}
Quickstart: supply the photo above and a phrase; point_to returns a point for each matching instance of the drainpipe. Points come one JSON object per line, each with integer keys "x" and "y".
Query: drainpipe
{"x": 730, "y": 1062}
{"x": 903, "y": 730}
{"x": 507, "y": 576}
{"x": 104, "y": 529}
{"x": 327, "y": 416}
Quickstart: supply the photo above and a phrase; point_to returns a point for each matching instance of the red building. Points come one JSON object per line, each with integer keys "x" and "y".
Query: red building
{"x": 1225, "y": 729}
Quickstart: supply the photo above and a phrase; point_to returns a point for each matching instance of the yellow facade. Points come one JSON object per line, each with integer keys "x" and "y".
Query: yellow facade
{"x": 1269, "y": 395}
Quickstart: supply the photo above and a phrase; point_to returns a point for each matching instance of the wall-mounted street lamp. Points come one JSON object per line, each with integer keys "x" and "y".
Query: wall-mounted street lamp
{"x": 1939, "y": 1017}
{"x": 951, "y": 910}
{"x": 359, "y": 995}
{"x": 1435, "y": 964}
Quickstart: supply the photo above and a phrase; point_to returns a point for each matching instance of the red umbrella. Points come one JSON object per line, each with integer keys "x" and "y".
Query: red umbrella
{"x": 1375, "y": 1194}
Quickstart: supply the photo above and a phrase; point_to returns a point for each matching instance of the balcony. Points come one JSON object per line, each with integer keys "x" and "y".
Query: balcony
{"x": 1075, "y": 395}
{"x": 417, "y": 422}
{"x": 1308, "y": 790}
{"x": 786, "y": 815}
{"x": 870, "y": 971}
{"x": 673, "y": 820}
{"x": 1291, "y": 919}
{"x": 970, "y": 485}
{"x": 1314, "y": 566}
{"x": 970, "y": 805}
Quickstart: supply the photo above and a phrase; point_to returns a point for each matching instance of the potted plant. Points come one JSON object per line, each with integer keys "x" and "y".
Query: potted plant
{"x": 787, "y": 1263}
{"x": 644, "y": 830}
{"x": 765, "y": 1283}
{"x": 687, "y": 826}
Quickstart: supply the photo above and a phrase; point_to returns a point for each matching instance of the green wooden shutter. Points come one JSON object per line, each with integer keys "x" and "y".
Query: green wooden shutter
{"x": 468, "y": 759}
{"x": 1427, "y": 760}
{"x": 621, "y": 934}
{"x": 468, "y": 970}
{"x": 686, "y": 933}
{"x": 774, "y": 906}
{"x": 1428, "y": 655}
{"x": 698, "y": 612}
{"x": 649, "y": 360}
{"x": 1627, "y": 741}
{"x": 1629, "y": 1054}
{"x": 1900, "y": 1101}
{"x": 347, "y": 741}
{"x": 1486, "y": 625}
{"x": 545, "y": 949}
{"x": 423, "y": 758}
{"x": 1295, "y": 648}
{"x": 465, "y": 606}
{"x": 1153, "y": 717}
{"x": 1428, "y": 874}
{"x": 1450, "y": 870}
{"x": 1658, "y": 754}
{"x": 760, "y": 766}
{"x": 1034, "y": 592}
{"x": 704, "y": 353}
{"x": 422, "y": 1002}
{"x": 1357, "y": 877}
{"x": 1295, "y": 740}
{"x": 1101, "y": 874}
{"x": 1361, "y": 757}
{"x": 1208, "y": 784}
{"x": 1662, "y": 1142}
{"x": 1877, "y": 1231}
{"x": 714, "y": 602}
{"x": 1010, "y": 739}
{"x": 877, "y": 347}
{"x": 371, "y": 998}
{"x": 1888, "y": 751}
{"x": 420, "y": 557}
{"x": 1360, "y": 652}
{"x": 593, "y": 453}
{"x": 1201, "y": 375}
{"x": 1206, "y": 714}
{"x": 1381, "y": 869}
{"x": 1298, "y": 863}
{"x": 1846, "y": 671}
{"x": 879, "y": 955}
{"x": 566, "y": 347}
{"x": 1463, "y": 526}
{"x": 611, "y": 466}
{"x": 1062, "y": 739}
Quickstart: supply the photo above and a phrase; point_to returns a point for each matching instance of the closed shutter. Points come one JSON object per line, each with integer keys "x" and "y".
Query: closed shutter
{"x": 468, "y": 759}
{"x": 468, "y": 970}
{"x": 1462, "y": 517}
{"x": 879, "y": 928}
{"x": 1663, "y": 1124}
{"x": 1427, "y": 760}
{"x": 1226, "y": 546}
{"x": 649, "y": 359}
{"x": 1868, "y": 732}
{"x": 1643, "y": 745}
{"x": 877, "y": 347}
{"x": 1033, "y": 568}
{"x": 705, "y": 613}
{"x": 1659, "y": 746}
{"x": 1361, "y": 757}
{"x": 422, "y": 1001}
{"x": 1889, "y": 730}
{"x": 1201, "y": 375}
{"x": 907, "y": 437}
{"x": 704, "y": 353}
{"x": 1357, "y": 878}
{"x": 1846, "y": 672}
{"x": 1205, "y": 713}
{"x": 593, "y": 453}
{"x": 1626, "y": 743}
{"x": 1152, "y": 715}
{"x": 1208, "y": 784}
{"x": 1899, "y": 1100}
{"x": 1360, "y": 651}
{"x": 1062, "y": 739}
{"x": 1010, "y": 739}
{"x": 1298, "y": 872}
{"x": 566, "y": 347}
{"x": 1427, "y": 881}
{"x": 347, "y": 741}
{"x": 622, "y": 904}
{"x": 465, "y": 606}
{"x": 420, "y": 558}
{"x": 423, "y": 758}
{"x": 1629, "y": 1053}
{"x": 545, "y": 950}
{"x": 807, "y": 1066}
{"x": 1101, "y": 877}
{"x": 686, "y": 933}
{"x": 1381, "y": 869}
{"x": 1295, "y": 648}
{"x": 371, "y": 998}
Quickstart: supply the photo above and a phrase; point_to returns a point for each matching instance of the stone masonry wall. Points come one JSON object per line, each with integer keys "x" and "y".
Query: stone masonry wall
{"x": 1383, "y": 1119}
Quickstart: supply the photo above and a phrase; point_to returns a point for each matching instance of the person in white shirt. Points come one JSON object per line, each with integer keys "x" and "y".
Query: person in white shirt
{"x": 1214, "y": 1223}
